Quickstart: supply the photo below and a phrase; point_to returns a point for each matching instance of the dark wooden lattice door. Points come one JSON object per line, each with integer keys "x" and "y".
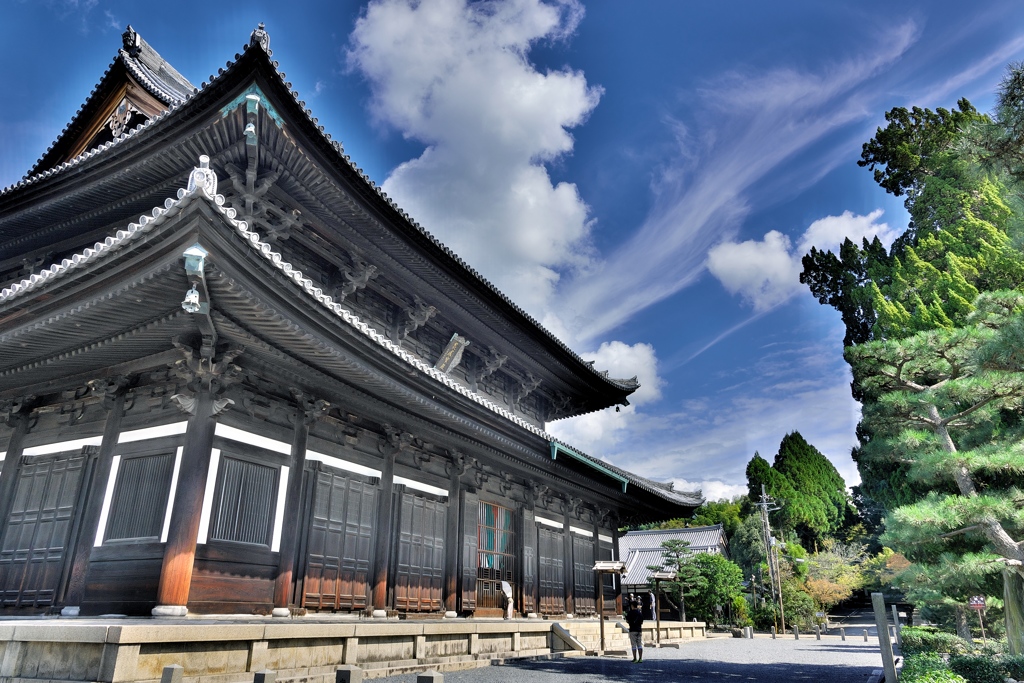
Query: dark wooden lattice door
{"x": 34, "y": 549}
{"x": 551, "y": 572}
{"x": 584, "y": 602}
{"x": 419, "y": 570}
{"x": 341, "y": 538}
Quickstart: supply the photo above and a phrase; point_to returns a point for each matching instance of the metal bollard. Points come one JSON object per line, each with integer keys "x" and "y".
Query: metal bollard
{"x": 430, "y": 677}
{"x": 265, "y": 676}
{"x": 796, "y": 633}
{"x": 172, "y": 674}
{"x": 773, "y": 633}
{"x": 348, "y": 673}
{"x": 817, "y": 631}
{"x": 842, "y": 633}
{"x": 865, "y": 635}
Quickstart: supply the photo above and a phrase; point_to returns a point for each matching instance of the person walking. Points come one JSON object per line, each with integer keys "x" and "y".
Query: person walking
{"x": 635, "y": 619}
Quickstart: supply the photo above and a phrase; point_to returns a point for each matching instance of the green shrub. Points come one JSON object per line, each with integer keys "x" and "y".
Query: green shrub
{"x": 1013, "y": 666}
{"x": 946, "y": 676}
{"x": 764, "y": 616}
{"x": 916, "y": 666}
{"x": 977, "y": 668}
{"x": 918, "y": 639}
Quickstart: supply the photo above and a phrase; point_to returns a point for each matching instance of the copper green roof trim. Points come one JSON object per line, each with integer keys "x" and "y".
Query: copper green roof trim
{"x": 557, "y": 448}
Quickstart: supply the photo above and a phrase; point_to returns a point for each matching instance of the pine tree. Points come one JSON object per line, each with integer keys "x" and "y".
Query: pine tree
{"x": 948, "y": 404}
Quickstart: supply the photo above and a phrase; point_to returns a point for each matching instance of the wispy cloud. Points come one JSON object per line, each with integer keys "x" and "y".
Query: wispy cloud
{"x": 937, "y": 94}
{"x": 752, "y": 123}
{"x": 713, "y": 437}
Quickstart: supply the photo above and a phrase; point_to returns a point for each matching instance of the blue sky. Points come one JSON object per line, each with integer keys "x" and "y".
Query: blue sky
{"x": 643, "y": 177}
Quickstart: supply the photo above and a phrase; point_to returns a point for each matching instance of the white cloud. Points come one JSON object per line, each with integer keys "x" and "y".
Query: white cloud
{"x": 763, "y": 273}
{"x": 456, "y": 77}
{"x": 713, "y": 489}
{"x": 623, "y": 360}
{"x": 596, "y": 433}
{"x": 766, "y": 273}
{"x": 829, "y": 232}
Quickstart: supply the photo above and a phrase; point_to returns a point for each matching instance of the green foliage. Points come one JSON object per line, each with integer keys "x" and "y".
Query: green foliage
{"x": 977, "y": 668}
{"x": 947, "y": 404}
{"x": 728, "y": 513}
{"x": 924, "y": 640}
{"x": 724, "y": 512}
{"x": 765, "y": 615}
{"x": 1013, "y": 665}
{"x": 939, "y": 676}
{"x": 908, "y": 150}
{"x": 917, "y": 665}
{"x": 722, "y": 583}
{"x": 678, "y": 559}
{"x": 741, "y": 612}
{"x": 746, "y": 546}
{"x": 811, "y": 492}
{"x": 798, "y": 605}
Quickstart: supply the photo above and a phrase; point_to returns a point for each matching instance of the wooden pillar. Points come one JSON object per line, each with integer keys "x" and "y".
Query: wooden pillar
{"x": 18, "y": 421}
{"x": 180, "y": 551}
{"x": 569, "y": 574}
{"x": 452, "y": 538}
{"x": 598, "y": 578}
{"x": 616, "y": 582}
{"x": 306, "y": 414}
{"x": 385, "y": 533}
{"x": 113, "y": 401}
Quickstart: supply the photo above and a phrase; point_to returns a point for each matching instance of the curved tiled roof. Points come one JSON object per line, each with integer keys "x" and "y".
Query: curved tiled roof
{"x": 622, "y": 385}
{"x": 156, "y": 75}
{"x": 202, "y": 184}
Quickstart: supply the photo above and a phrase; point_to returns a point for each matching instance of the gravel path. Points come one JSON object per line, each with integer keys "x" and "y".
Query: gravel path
{"x": 722, "y": 659}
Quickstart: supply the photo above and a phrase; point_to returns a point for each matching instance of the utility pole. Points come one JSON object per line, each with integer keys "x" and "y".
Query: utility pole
{"x": 766, "y": 505}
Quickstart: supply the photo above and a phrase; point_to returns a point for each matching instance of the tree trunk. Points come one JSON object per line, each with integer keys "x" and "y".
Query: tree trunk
{"x": 963, "y": 629}
{"x": 994, "y": 531}
{"x": 1013, "y": 597}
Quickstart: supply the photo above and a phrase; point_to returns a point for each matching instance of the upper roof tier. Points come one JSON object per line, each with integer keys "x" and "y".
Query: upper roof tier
{"x": 137, "y": 85}
{"x": 136, "y": 138}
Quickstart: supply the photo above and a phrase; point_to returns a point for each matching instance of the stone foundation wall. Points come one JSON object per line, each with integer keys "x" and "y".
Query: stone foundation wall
{"x": 137, "y": 650}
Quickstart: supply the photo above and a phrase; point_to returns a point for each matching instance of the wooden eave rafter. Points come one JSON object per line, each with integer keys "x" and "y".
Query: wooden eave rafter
{"x": 302, "y": 322}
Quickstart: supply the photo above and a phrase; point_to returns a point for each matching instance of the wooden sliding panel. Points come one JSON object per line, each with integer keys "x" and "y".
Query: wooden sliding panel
{"x": 551, "y": 571}
{"x": 470, "y": 561}
{"x": 340, "y": 544}
{"x": 419, "y": 569}
{"x": 529, "y": 562}
{"x": 583, "y": 568}
{"x": 34, "y": 548}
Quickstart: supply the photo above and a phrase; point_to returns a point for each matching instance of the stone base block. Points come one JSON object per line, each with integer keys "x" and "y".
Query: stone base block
{"x": 170, "y": 611}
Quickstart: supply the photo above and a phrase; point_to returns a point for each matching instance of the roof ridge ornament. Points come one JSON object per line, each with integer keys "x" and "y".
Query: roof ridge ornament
{"x": 260, "y": 37}
{"x": 202, "y": 177}
{"x": 132, "y": 41}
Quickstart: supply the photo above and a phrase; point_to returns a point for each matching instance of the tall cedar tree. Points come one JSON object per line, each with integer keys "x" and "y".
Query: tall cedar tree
{"x": 812, "y": 493}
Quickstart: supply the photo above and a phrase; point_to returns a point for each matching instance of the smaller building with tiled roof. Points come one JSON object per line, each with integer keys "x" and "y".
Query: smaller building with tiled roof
{"x": 641, "y": 550}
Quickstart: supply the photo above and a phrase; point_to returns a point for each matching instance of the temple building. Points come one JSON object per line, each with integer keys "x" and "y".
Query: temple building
{"x": 235, "y": 377}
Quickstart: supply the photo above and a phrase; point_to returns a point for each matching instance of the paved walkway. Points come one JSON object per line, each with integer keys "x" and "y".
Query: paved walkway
{"x": 721, "y": 659}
